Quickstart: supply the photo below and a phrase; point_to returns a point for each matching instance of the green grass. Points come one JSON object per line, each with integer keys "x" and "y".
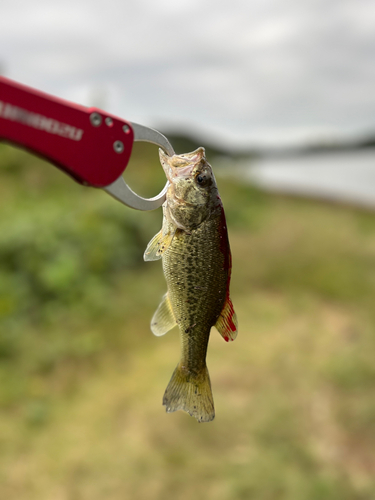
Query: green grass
{"x": 82, "y": 377}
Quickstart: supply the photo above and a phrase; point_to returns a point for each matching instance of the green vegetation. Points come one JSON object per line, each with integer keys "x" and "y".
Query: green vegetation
{"x": 82, "y": 377}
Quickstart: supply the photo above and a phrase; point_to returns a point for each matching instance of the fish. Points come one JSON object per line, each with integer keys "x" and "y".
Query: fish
{"x": 194, "y": 247}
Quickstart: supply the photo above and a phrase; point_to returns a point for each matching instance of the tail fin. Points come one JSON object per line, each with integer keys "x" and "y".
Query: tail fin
{"x": 190, "y": 393}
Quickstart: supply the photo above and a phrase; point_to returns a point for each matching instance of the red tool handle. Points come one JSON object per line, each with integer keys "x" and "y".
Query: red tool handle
{"x": 88, "y": 144}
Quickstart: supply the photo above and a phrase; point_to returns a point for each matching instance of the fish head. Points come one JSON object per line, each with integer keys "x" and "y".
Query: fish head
{"x": 191, "y": 178}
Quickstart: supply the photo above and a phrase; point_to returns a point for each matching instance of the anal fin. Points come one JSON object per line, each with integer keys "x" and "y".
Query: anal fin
{"x": 163, "y": 320}
{"x": 227, "y": 324}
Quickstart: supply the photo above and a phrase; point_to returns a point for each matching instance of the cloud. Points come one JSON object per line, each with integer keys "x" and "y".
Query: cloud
{"x": 239, "y": 70}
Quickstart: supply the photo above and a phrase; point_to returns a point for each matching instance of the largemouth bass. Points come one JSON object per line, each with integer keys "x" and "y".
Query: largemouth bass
{"x": 194, "y": 247}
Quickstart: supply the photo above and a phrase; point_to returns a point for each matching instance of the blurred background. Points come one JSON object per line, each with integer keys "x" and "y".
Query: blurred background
{"x": 281, "y": 96}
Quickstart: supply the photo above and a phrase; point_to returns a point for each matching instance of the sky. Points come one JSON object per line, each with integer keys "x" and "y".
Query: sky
{"x": 238, "y": 73}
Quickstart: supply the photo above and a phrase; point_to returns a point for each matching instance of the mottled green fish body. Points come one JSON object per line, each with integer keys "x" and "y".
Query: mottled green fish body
{"x": 194, "y": 248}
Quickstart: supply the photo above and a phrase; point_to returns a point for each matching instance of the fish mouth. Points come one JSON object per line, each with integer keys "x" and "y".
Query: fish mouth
{"x": 174, "y": 173}
{"x": 180, "y": 166}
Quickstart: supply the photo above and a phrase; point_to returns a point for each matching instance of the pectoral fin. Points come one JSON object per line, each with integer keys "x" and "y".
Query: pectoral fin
{"x": 158, "y": 245}
{"x": 227, "y": 323}
{"x": 163, "y": 319}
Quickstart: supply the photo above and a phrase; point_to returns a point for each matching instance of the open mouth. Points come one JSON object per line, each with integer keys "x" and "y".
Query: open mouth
{"x": 178, "y": 172}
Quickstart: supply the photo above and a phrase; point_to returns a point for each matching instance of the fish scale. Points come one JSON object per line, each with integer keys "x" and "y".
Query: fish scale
{"x": 196, "y": 279}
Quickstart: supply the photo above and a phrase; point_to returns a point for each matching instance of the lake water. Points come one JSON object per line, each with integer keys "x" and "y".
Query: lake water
{"x": 342, "y": 176}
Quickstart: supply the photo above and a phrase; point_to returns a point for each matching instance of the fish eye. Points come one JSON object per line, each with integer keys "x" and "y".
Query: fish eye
{"x": 201, "y": 179}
